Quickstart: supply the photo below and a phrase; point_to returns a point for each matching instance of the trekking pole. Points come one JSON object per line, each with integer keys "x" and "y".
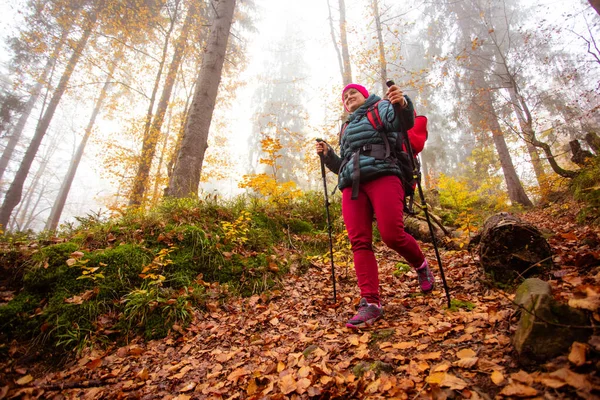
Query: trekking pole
{"x": 417, "y": 176}
{"x": 328, "y": 222}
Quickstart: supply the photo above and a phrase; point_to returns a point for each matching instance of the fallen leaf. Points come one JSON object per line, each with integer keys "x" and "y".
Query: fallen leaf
{"x": 586, "y": 297}
{"x": 466, "y": 362}
{"x": 24, "y": 380}
{"x": 466, "y": 353}
{"x": 430, "y": 356}
{"x": 497, "y": 377}
{"x": 235, "y": 375}
{"x": 288, "y": 384}
{"x": 444, "y": 379}
{"x": 373, "y": 387}
{"x": 522, "y": 377}
{"x": 252, "y": 387}
{"x": 404, "y": 345}
{"x": 142, "y": 374}
{"x": 188, "y": 387}
{"x": 441, "y": 367}
{"x": 577, "y": 354}
{"x": 578, "y": 381}
{"x": 93, "y": 364}
{"x": 302, "y": 385}
{"x": 304, "y": 371}
{"x": 77, "y": 254}
{"x": 519, "y": 390}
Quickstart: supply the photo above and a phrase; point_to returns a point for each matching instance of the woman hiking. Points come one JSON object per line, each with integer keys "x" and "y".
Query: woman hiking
{"x": 371, "y": 184}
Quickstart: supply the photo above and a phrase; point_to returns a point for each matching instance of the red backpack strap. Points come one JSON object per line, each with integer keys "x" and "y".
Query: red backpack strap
{"x": 374, "y": 117}
{"x": 375, "y": 120}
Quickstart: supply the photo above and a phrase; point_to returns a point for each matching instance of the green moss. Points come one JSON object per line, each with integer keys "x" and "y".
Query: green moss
{"x": 49, "y": 267}
{"x": 381, "y": 335}
{"x": 299, "y": 226}
{"x": 121, "y": 267}
{"x": 16, "y": 317}
{"x": 455, "y": 305}
{"x": 401, "y": 268}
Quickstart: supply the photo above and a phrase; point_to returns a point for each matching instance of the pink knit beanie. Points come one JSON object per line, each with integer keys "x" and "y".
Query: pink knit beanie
{"x": 361, "y": 89}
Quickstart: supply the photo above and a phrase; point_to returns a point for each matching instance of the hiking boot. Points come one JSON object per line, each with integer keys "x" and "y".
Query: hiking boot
{"x": 366, "y": 316}
{"x": 425, "y": 277}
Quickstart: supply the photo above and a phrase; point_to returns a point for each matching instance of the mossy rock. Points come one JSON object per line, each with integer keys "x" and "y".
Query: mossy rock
{"x": 547, "y": 328}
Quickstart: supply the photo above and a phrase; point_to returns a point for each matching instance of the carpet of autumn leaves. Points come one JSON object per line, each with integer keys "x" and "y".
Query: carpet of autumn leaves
{"x": 293, "y": 344}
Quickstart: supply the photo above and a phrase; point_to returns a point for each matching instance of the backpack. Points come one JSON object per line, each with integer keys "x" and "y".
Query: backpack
{"x": 408, "y": 143}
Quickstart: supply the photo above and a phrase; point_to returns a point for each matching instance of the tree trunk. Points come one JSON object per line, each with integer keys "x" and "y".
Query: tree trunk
{"x": 347, "y": 76}
{"x": 510, "y": 248}
{"x": 13, "y": 196}
{"x": 516, "y": 193}
{"x": 15, "y": 136}
{"x": 593, "y": 141}
{"x": 335, "y": 44}
{"x": 61, "y": 199}
{"x": 596, "y": 5}
{"x": 188, "y": 167}
{"x": 526, "y": 129}
{"x": 580, "y": 156}
{"x": 382, "y": 60}
{"x": 151, "y": 138}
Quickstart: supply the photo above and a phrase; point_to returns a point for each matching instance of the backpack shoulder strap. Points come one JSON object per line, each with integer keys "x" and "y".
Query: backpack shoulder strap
{"x": 375, "y": 120}
{"x": 374, "y": 117}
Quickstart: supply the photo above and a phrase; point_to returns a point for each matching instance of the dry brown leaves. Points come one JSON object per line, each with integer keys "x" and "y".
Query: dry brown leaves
{"x": 294, "y": 344}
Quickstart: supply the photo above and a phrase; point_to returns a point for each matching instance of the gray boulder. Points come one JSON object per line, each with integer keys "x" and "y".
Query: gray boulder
{"x": 547, "y": 328}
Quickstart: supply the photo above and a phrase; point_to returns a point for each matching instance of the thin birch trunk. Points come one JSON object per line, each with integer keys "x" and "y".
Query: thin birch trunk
{"x": 15, "y": 136}
{"x": 61, "y": 199}
{"x": 13, "y": 196}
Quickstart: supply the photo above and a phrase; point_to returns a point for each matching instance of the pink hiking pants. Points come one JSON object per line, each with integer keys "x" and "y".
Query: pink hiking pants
{"x": 384, "y": 197}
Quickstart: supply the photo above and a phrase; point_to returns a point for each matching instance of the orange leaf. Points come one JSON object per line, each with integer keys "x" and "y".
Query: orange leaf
{"x": 430, "y": 356}
{"x": 522, "y": 377}
{"x": 288, "y": 384}
{"x": 235, "y": 375}
{"x": 93, "y": 364}
{"x": 188, "y": 387}
{"x": 516, "y": 389}
{"x": 444, "y": 379}
{"x": 497, "y": 377}
{"x": 577, "y": 354}
{"x": 24, "y": 380}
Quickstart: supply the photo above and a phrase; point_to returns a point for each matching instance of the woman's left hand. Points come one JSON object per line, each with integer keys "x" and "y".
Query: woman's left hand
{"x": 395, "y": 96}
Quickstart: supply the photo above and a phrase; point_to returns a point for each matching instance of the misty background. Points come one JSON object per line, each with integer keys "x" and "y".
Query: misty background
{"x": 282, "y": 80}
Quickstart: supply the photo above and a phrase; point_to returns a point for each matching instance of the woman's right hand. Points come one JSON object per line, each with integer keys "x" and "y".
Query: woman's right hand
{"x": 322, "y": 148}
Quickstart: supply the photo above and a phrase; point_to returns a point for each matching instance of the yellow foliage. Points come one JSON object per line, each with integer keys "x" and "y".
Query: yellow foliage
{"x": 151, "y": 273}
{"x": 236, "y": 232}
{"x": 455, "y": 193}
{"x": 278, "y": 194}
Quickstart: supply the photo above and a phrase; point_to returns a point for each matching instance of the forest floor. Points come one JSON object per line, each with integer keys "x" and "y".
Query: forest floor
{"x": 294, "y": 343}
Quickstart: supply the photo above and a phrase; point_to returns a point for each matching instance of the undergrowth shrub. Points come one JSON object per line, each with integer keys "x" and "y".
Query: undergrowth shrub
{"x": 586, "y": 188}
{"x": 147, "y": 271}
